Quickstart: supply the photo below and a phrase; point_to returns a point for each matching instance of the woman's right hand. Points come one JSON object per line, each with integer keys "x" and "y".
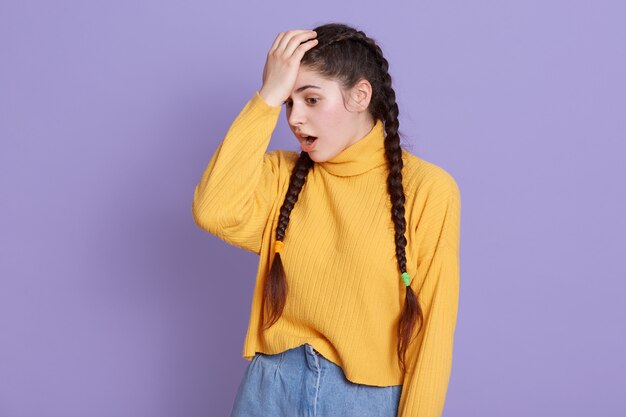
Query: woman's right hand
{"x": 282, "y": 64}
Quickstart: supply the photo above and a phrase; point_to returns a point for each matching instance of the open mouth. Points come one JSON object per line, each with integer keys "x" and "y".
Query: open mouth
{"x": 309, "y": 139}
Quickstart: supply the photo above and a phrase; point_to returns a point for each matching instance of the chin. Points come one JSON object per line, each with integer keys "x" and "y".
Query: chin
{"x": 315, "y": 157}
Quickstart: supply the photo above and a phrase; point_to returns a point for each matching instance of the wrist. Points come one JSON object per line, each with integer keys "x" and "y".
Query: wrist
{"x": 269, "y": 100}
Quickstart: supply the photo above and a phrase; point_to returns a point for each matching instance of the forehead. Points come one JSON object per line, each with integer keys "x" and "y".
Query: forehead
{"x": 307, "y": 76}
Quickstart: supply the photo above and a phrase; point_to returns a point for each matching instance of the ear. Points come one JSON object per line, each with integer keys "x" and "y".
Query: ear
{"x": 361, "y": 95}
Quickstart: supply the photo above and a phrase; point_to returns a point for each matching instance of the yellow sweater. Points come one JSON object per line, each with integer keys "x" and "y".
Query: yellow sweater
{"x": 345, "y": 291}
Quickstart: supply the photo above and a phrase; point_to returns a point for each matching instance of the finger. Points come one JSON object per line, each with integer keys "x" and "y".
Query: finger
{"x": 289, "y": 36}
{"x": 301, "y": 50}
{"x": 297, "y": 41}
{"x": 279, "y": 37}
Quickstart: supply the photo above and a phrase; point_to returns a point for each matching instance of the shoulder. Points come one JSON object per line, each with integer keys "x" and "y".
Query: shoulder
{"x": 425, "y": 177}
{"x": 433, "y": 199}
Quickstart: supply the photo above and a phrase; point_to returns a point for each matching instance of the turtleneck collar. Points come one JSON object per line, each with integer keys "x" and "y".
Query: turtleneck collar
{"x": 365, "y": 154}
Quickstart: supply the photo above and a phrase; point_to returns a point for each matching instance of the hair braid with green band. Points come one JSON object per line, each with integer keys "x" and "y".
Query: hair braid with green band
{"x": 406, "y": 277}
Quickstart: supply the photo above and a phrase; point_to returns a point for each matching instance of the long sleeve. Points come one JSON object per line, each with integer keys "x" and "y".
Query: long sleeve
{"x": 234, "y": 197}
{"x": 426, "y": 379}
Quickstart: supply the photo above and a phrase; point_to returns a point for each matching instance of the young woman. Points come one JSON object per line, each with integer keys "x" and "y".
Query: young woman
{"x": 356, "y": 297}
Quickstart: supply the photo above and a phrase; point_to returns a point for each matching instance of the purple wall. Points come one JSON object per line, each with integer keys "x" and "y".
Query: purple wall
{"x": 114, "y": 303}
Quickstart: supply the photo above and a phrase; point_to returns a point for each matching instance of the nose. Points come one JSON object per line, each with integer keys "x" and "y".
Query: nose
{"x": 295, "y": 115}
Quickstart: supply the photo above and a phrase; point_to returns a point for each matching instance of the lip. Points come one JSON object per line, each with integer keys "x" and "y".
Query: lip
{"x": 302, "y": 135}
{"x": 308, "y": 148}
{"x": 303, "y": 146}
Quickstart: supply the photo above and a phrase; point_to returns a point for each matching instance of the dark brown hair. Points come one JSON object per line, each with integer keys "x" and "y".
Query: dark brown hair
{"x": 348, "y": 55}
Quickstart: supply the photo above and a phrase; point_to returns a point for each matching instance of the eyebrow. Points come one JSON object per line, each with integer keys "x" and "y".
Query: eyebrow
{"x": 304, "y": 87}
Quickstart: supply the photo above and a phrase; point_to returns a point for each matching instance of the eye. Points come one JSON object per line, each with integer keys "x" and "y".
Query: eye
{"x": 288, "y": 103}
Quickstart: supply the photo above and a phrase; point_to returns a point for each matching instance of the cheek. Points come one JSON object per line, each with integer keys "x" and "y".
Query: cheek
{"x": 331, "y": 118}
{"x": 331, "y": 121}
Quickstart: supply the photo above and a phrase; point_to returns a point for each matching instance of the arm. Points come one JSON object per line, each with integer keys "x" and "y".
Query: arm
{"x": 234, "y": 196}
{"x": 428, "y": 370}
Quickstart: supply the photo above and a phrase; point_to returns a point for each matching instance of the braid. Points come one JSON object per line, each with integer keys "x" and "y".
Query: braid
{"x": 276, "y": 286}
{"x": 346, "y": 54}
{"x": 388, "y": 111}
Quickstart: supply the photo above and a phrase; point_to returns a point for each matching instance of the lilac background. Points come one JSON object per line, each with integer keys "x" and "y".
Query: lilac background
{"x": 114, "y": 303}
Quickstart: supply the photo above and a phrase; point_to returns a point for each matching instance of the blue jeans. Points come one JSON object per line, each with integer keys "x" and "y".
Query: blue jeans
{"x": 300, "y": 382}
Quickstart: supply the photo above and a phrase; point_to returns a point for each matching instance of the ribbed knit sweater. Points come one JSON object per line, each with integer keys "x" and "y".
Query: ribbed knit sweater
{"x": 345, "y": 293}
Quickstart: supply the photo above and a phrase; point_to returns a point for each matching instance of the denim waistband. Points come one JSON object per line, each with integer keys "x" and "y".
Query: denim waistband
{"x": 304, "y": 382}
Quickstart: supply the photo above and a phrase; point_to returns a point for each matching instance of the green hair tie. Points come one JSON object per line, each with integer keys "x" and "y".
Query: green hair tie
{"x": 405, "y": 278}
